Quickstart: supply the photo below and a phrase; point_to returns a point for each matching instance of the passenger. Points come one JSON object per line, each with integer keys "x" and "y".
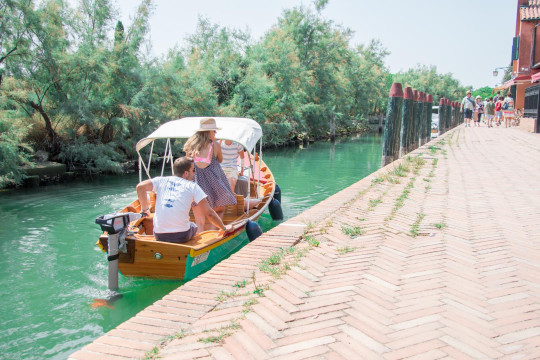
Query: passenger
{"x": 508, "y": 110}
{"x": 175, "y": 195}
{"x": 207, "y": 155}
{"x": 231, "y": 152}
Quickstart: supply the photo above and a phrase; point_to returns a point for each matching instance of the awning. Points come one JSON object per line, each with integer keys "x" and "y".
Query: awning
{"x": 535, "y": 77}
{"x": 522, "y": 79}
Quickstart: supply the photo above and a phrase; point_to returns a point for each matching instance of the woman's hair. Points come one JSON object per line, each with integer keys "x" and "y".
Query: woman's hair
{"x": 509, "y": 94}
{"x": 197, "y": 143}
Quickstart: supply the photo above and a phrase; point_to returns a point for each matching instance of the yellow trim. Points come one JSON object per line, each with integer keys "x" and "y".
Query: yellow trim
{"x": 194, "y": 252}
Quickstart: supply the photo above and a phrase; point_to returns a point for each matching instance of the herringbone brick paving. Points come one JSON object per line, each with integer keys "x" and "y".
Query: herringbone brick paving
{"x": 440, "y": 262}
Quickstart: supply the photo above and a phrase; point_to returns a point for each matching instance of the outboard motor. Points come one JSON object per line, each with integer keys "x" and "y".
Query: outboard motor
{"x": 115, "y": 225}
{"x": 253, "y": 230}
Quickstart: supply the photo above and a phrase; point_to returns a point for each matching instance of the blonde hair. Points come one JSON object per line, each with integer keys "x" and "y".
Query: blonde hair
{"x": 197, "y": 143}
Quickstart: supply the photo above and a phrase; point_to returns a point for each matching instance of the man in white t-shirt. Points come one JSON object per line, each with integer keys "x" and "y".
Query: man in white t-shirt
{"x": 467, "y": 105}
{"x": 175, "y": 195}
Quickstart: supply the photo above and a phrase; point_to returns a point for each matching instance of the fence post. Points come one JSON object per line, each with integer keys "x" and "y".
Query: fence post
{"x": 429, "y": 109}
{"x": 392, "y": 124}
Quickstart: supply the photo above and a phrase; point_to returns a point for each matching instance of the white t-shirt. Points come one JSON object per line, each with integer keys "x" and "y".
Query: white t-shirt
{"x": 174, "y": 198}
{"x": 468, "y": 103}
{"x": 230, "y": 154}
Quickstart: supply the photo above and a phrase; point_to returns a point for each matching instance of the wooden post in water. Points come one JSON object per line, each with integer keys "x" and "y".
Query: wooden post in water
{"x": 449, "y": 116}
{"x": 442, "y": 116}
{"x": 392, "y": 124}
{"x": 412, "y": 128}
{"x": 456, "y": 114}
{"x": 419, "y": 119}
{"x": 406, "y": 120}
{"x": 429, "y": 109}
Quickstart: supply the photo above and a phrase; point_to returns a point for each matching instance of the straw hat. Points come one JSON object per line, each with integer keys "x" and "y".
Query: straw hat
{"x": 208, "y": 124}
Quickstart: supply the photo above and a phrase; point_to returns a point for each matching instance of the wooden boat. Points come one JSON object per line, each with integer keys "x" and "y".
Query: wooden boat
{"x": 144, "y": 256}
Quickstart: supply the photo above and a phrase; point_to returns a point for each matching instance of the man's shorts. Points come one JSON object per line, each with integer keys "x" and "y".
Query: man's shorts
{"x": 468, "y": 114}
{"x": 178, "y": 237}
{"x": 230, "y": 172}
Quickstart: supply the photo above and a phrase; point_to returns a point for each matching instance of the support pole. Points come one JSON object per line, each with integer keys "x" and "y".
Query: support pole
{"x": 113, "y": 261}
{"x": 392, "y": 124}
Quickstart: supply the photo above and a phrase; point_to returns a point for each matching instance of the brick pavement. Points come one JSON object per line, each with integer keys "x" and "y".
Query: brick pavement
{"x": 424, "y": 259}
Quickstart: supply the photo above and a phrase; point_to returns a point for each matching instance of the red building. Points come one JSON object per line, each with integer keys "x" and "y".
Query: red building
{"x": 526, "y": 62}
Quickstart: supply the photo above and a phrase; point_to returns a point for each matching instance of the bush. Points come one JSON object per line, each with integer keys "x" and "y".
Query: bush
{"x": 14, "y": 153}
{"x": 92, "y": 158}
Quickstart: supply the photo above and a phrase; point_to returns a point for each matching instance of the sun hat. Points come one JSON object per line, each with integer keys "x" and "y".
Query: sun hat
{"x": 468, "y": 91}
{"x": 208, "y": 124}
{"x": 478, "y": 97}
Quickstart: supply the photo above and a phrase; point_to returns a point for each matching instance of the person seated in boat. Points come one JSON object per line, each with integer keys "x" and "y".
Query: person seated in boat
{"x": 232, "y": 151}
{"x": 175, "y": 195}
{"x": 207, "y": 155}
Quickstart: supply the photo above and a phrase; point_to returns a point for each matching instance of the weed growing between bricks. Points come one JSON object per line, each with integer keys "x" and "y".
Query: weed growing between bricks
{"x": 416, "y": 226}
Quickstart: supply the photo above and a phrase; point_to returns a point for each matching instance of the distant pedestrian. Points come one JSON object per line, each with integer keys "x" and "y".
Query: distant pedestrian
{"x": 489, "y": 112}
{"x": 478, "y": 110}
{"x": 508, "y": 110}
{"x": 497, "y": 97}
{"x": 467, "y": 106}
{"x": 498, "y": 111}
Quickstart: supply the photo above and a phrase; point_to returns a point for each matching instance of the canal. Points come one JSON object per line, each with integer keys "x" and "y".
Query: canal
{"x": 52, "y": 270}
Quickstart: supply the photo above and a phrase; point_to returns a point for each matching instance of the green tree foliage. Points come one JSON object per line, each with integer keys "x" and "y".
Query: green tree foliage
{"x": 75, "y": 82}
{"x": 485, "y": 92}
{"x": 426, "y": 79}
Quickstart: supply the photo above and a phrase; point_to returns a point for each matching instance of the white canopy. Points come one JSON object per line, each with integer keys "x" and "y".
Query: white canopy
{"x": 244, "y": 131}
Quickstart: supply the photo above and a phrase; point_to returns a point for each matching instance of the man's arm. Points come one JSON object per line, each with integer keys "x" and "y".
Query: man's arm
{"x": 142, "y": 188}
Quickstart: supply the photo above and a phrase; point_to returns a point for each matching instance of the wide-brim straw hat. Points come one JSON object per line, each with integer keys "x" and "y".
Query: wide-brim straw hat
{"x": 208, "y": 124}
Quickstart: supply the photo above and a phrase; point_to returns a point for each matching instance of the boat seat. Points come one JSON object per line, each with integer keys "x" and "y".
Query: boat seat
{"x": 234, "y": 211}
{"x": 148, "y": 224}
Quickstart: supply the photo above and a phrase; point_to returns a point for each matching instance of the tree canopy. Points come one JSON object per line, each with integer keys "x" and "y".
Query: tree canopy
{"x": 76, "y": 83}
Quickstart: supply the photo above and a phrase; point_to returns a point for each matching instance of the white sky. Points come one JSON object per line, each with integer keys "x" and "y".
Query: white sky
{"x": 468, "y": 38}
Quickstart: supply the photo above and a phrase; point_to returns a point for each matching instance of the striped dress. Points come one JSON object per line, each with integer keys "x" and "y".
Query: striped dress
{"x": 214, "y": 183}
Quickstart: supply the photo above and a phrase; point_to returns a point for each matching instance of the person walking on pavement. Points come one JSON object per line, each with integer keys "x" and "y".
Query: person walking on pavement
{"x": 467, "y": 106}
{"x": 478, "y": 110}
{"x": 490, "y": 112}
{"x": 508, "y": 110}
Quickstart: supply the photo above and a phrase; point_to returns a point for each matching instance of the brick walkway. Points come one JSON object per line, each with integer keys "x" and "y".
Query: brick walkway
{"x": 425, "y": 259}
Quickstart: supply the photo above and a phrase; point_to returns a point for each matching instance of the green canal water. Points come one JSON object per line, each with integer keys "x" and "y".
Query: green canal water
{"x": 51, "y": 269}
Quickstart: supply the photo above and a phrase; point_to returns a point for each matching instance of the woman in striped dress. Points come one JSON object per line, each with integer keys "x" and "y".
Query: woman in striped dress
{"x": 508, "y": 110}
{"x": 207, "y": 155}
